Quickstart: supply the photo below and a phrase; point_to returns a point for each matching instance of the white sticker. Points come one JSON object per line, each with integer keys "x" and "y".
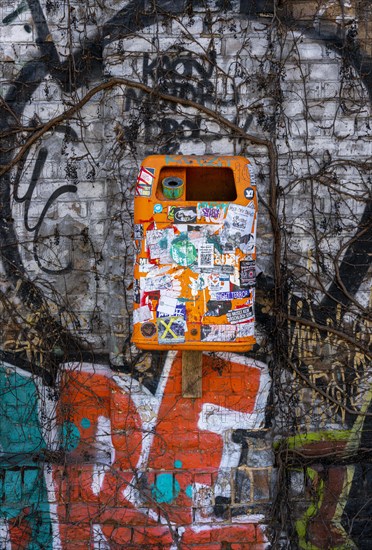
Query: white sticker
{"x": 167, "y": 305}
{"x": 238, "y": 228}
{"x": 245, "y": 329}
{"x": 218, "y": 333}
{"x": 217, "y": 282}
{"x": 142, "y": 314}
{"x": 158, "y": 242}
{"x": 144, "y": 265}
{"x": 252, "y": 174}
{"x": 148, "y": 284}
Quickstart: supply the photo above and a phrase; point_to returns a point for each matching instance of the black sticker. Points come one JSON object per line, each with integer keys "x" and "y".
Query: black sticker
{"x": 249, "y": 193}
{"x": 217, "y": 308}
{"x": 247, "y": 273}
{"x": 228, "y": 248}
{"x": 184, "y": 215}
{"x": 136, "y": 291}
{"x": 148, "y": 329}
{"x": 240, "y": 315}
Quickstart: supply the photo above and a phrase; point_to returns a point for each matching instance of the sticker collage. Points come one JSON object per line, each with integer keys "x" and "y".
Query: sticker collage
{"x": 195, "y": 269}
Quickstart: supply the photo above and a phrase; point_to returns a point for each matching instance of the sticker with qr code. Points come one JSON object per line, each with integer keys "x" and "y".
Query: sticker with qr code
{"x": 206, "y": 255}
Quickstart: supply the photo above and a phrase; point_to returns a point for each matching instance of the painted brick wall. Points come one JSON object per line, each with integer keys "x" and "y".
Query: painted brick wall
{"x": 98, "y": 447}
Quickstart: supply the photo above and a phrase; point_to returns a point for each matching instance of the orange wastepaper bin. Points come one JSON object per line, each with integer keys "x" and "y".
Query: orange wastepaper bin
{"x": 195, "y": 238}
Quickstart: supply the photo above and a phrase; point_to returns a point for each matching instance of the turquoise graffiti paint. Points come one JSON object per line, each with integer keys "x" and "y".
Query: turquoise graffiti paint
{"x": 177, "y": 464}
{"x": 70, "y": 436}
{"x": 165, "y": 489}
{"x": 23, "y": 488}
{"x": 188, "y": 491}
{"x": 85, "y": 423}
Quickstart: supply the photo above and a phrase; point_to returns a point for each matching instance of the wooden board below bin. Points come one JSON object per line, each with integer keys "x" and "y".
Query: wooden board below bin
{"x": 192, "y": 373}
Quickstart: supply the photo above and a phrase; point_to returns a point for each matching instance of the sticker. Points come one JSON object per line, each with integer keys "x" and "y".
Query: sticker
{"x": 138, "y": 231}
{"x": 148, "y": 330}
{"x": 162, "y": 282}
{"x": 151, "y": 299}
{"x": 245, "y": 329}
{"x": 198, "y": 284}
{"x": 249, "y": 193}
{"x": 144, "y": 182}
{"x": 158, "y": 243}
{"x": 170, "y": 215}
{"x": 212, "y": 212}
{"x": 225, "y": 259}
{"x": 144, "y": 265}
{"x": 252, "y": 174}
{"x": 216, "y": 309}
{"x": 183, "y": 252}
{"x": 180, "y": 311}
{"x": 137, "y": 246}
{"x": 171, "y": 330}
{"x": 158, "y": 208}
{"x": 136, "y": 292}
{"x": 167, "y": 305}
{"x": 238, "y": 227}
{"x": 141, "y": 314}
{"x": 233, "y": 295}
{"x": 206, "y": 255}
{"x": 228, "y": 248}
{"x": 240, "y": 315}
{"x": 218, "y": 333}
{"x": 225, "y": 269}
{"x": 184, "y": 215}
{"x": 218, "y": 282}
{"x": 247, "y": 273}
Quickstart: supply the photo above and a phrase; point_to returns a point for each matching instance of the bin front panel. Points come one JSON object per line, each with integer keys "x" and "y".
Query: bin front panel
{"x": 195, "y": 239}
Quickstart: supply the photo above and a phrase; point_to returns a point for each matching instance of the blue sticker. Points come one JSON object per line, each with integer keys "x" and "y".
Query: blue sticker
{"x": 180, "y": 311}
{"x": 158, "y": 208}
{"x": 233, "y": 295}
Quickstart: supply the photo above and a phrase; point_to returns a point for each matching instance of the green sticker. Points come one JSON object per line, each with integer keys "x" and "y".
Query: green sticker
{"x": 183, "y": 252}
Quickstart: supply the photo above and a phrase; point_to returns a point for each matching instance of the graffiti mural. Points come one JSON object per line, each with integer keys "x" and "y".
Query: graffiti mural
{"x": 98, "y": 447}
{"x": 130, "y": 466}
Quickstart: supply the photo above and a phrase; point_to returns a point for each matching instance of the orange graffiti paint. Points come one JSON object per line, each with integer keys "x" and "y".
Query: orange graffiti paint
{"x": 138, "y": 463}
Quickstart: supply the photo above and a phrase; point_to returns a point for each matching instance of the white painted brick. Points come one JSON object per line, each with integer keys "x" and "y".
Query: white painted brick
{"x": 361, "y": 149}
{"x": 193, "y": 26}
{"x": 325, "y": 71}
{"x": 293, "y": 107}
{"x": 295, "y": 73}
{"x": 324, "y": 110}
{"x": 91, "y": 190}
{"x": 307, "y": 51}
{"x": 232, "y": 46}
{"x": 193, "y": 148}
{"x": 201, "y": 46}
{"x": 344, "y": 128}
{"x": 98, "y": 209}
{"x": 223, "y": 146}
{"x": 15, "y": 34}
{"x": 75, "y": 209}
